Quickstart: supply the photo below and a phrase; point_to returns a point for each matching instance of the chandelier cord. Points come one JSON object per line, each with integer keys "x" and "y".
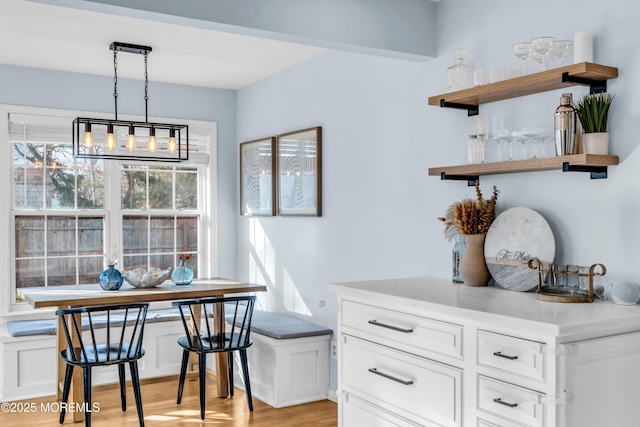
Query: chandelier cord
{"x": 146, "y": 89}
{"x": 115, "y": 81}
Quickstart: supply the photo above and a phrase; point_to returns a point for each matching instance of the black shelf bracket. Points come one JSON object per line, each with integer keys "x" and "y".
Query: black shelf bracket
{"x": 472, "y": 110}
{"x": 471, "y": 179}
{"x": 596, "y": 172}
{"x": 595, "y": 86}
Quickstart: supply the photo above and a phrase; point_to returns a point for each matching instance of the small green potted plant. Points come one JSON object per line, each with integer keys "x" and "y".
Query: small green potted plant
{"x": 592, "y": 111}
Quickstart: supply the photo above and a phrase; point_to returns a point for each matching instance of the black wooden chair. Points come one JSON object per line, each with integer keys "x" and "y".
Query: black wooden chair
{"x": 114, "y": 338}
{"x": 212, "y": 336}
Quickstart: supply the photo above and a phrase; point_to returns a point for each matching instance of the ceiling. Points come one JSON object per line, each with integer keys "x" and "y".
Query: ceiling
{"x": 60, "y": 38}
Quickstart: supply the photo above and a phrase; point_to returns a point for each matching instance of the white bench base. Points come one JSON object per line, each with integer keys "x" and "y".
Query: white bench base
{"x": 286, "y": 372}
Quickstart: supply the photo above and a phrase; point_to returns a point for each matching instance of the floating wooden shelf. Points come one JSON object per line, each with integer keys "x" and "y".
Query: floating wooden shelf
{"x": 593, "y": 163}
{"x": 583, "y": 73}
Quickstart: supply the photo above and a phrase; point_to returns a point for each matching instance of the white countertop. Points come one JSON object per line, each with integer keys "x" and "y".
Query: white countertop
{"x": 520, "y": 309}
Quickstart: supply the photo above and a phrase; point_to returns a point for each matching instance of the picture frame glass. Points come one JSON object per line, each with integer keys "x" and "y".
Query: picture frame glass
{"x": 256, "y": 178}
{"x": 299, "y": 172}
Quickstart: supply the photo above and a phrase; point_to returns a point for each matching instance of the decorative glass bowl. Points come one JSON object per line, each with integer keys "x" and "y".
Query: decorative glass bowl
{"x": 140, "y": 278}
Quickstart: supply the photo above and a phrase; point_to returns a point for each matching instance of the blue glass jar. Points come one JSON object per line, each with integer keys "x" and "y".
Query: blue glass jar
{"x": 111, "y": 279}
{"x": 182, "y": 275}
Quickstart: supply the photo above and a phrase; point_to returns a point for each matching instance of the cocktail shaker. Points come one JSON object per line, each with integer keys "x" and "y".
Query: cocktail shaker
{"x": 565, "y": 126}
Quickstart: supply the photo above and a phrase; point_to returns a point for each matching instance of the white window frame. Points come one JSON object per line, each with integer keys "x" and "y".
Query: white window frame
{"x": 207, "y": 196}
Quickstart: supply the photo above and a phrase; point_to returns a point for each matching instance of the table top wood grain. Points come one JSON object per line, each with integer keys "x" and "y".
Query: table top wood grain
{"x": 93, "y": 294}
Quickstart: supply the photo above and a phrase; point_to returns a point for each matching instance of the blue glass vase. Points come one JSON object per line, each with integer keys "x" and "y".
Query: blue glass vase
{"x": 182, "y": 275}
{"x": 111, "y": 279}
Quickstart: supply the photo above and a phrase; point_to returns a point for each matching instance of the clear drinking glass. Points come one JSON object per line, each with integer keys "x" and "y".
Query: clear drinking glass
{"x": 560, "y": 49}
{"x": 543, "y": 45}
{"x": 522, "y": 51}
{"x": 480, "y": 77}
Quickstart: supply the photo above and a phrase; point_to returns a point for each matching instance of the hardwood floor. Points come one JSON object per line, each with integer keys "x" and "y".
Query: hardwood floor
{"x": 160, "y": 409}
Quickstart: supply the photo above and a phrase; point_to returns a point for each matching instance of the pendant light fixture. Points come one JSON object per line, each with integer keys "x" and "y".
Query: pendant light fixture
{"x": 116, "y": 139}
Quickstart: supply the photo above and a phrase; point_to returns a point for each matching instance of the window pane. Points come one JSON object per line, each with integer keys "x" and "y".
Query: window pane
{"x": 186, "y": 191}
{"x": 61, "y": 271}
{"x": 29, "y": 236}
{"x": 34, "y": 188}
{"x": 60, "y": 155}
{"x": 134, "y": 185}
{"x": 160, "y": 190}
{"x": 187, "y": 234}
{"x": 89, "y": 270}
{"x": 91, "y": 236}
{"x": 162, "y": 235}
{"x": 90, "y": 184}
{"x": 135, "y": 235}
{"x": 133, "y": 262}
{"x": 61, "y": 184}
{"x": 162, "y": 261}
{"x": 29, "y": 273}
{"x": 61, "y": 236}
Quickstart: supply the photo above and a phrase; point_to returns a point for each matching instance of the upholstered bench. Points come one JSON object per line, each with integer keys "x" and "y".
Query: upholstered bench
{"x": 288, "y": 361}
{"x": 23, "y": 328}
{"x": 28, "y": 354}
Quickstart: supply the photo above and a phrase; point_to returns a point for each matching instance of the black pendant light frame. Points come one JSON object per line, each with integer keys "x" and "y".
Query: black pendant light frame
{"x": 99, "y": 151}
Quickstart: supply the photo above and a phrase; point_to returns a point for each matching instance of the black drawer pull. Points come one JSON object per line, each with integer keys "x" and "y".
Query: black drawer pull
{"x": 504, "y": 356}
{"x": 502, "y": 402}
{"x": 390, "y": 377}
{"x": 395, "y": 328}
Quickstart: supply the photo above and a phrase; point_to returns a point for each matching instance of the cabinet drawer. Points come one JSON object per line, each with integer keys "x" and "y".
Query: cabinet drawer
{"x": 424, "y": 389}
{"x": 512, "y": 402}
{"x": 517, "y": 355}
{"x": 404, "y": 331}
{"x": 356, "y": 412}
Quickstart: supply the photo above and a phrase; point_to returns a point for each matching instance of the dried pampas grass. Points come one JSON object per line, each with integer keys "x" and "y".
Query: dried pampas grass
{"x": 470, "y": 216}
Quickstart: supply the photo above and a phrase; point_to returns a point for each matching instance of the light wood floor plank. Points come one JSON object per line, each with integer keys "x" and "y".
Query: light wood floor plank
{"x": 160, "y": 409}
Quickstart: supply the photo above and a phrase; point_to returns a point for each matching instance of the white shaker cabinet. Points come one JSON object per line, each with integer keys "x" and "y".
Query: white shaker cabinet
{"x": 427, "y": 352}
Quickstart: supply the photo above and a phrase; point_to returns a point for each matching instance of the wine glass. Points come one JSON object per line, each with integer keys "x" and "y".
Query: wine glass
{"x": 560, "y": 49}
{"x": 543, "y": 46}
{"x": 538, "y": 57}
{"x": 522, "y": 51}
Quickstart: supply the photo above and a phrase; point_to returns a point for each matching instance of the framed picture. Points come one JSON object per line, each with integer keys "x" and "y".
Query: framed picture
{"x": 299, "y": 172}
{"x": 257, "y": 180}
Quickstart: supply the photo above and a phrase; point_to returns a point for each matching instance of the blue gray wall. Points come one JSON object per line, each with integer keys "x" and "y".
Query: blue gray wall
{"x": 380, "y": 138}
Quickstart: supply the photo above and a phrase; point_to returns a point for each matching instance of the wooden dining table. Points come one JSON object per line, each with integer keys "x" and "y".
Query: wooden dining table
{"x": 64, "y": 297}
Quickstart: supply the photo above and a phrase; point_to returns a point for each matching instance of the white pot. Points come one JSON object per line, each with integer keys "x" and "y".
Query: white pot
{"x": 595, "y": 143}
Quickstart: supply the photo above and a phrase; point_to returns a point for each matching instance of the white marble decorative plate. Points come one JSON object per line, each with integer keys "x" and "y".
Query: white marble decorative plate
{"x": 516, "y": 236}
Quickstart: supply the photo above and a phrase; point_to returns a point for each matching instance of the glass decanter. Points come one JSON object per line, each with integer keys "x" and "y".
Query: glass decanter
{"x": 459, "y": 75}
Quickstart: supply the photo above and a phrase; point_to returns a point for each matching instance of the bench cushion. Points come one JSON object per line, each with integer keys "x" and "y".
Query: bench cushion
{"x": 22, "y": 328}
{"x": 282, "y": 326}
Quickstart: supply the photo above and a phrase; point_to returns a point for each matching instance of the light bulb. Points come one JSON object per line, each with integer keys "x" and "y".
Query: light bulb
{"x": 152, "y": 145}
{"x": 110, "y": 143}
{"x": 131, "y": 141}
{"x": 88, "y": 138}
{"x": 172, "y": 146}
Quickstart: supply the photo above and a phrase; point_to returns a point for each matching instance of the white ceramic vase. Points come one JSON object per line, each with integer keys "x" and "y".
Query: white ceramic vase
{"x": 595, "y": 143}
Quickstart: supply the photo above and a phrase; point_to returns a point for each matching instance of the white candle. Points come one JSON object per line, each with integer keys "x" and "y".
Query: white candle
{"x": 582, "y": 47}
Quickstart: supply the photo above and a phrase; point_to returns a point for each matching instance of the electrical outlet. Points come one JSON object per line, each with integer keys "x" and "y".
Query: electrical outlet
{"x": 334, "y": 349}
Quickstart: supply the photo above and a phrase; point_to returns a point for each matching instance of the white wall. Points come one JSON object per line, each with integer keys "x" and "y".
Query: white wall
{"x": 380, "y": 137}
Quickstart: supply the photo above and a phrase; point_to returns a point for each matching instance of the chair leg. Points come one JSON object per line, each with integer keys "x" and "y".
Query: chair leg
{"x": 230, "y": 365}
{"x": 135, "y": 382}
{"x": 202, "y": 371}
{"x": 68, "y": 375}
{"x": 86, "y": 379}
{"x": 245, "y": 374}
{"x": 123, "y": 387}
{"x": 183, "y": 373}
